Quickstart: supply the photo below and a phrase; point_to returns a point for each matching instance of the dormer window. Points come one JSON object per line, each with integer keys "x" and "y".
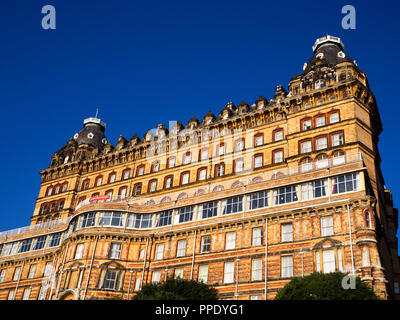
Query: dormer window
{"x": 319, "y": 84}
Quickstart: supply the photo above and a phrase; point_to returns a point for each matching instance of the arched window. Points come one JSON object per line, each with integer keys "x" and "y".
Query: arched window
{"x": 322, "y": 161}
{"x": 85, "y": 184}
{"x": 126, "y": 173}
{"x": 306, "y": 164}
{"x": 171, "y": 162}
{"x": 122, "y": 192}
{"x": 338, "y": 157}
{"x": 187, "y": 158}
{"x": 98, "y": 181}
{"x": 155, "y": 166}
{"x": 140, "y": 170}
{"x": 185, "y": 177}
{"x": 64, "y": 187}
{"x": 112, "y": 177}
{"x": 168, "y": 181}
{"x": 152, "y": 186}
{"x": 137, "y": 189}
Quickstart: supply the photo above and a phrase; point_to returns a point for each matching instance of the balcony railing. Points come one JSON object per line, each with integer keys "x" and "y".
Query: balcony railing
{"x": 241, "y": 181}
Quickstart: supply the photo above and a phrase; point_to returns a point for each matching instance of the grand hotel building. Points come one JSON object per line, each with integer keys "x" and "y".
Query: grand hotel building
{"x": 243, "y": 200}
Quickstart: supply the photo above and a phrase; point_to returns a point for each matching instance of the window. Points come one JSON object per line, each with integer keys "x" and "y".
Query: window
{"x": 2, "y": 275}
{"x": 159, "y": 251}
{"x": 258, "y": 200}
{"x": 257, "y": 236}
{"x": 17, "y": 273}
{"x": 346, "y": 183}
{"x": 57, "y": 190}
{"x": 155, "y": 166}
{"x": 229, "y": 269}
{"x": 122, "y": 192}
{"x": 140, "y": 221}
{"x": 50, "y": 190}
{"x": 152, "y": 185}
{"x": 137, "y": 284}
{"x": 396, "y": 288}
{"x": 99, "y": 180}
{"x": 10, "y": 249}
{"x": 202, "y": 175}
{"x": 208, "y": 210}
{"x": 168, "y": 182}
{"x": 205, "y": 244}
{"x": 25, "y": 245}
{"x": 256, "y": 269}
{"x": 55, "y": 239}
{"x": 328, "y": 257}
{"x": 322, "y": 161}
{"x": 321, "y": 143}
{"x": 232, "y": 205}
{"x": 181, "y": 248}
{"x": 125, "y": 174}
{"x": 109, "y": 193}
{"x": 367, "y": 216}
{"x": 114, "y": 219}
{"x": 320, "y": 122}
{"x": 326, "y": 226}
{"x": 31, "y": 273}
{"x": 305, "y": 146}
{"x": 278, "y": 135}
{"x": 115, "y": 251}
{"x": 306, "y": 125}
{"x": 334, "y": 117}
{"x": 219, "y": 169}
{"x": 319, "y": 84}
{"x": 187, "y": 158}
{"x": 171, "y": 162}
{"x": 79, "y": 251}
{"x": 85, "y": 184}
{"x": 178, "y": 273}
{"x": 203, "y": 273}
{"x": 255, "y": 297}
{"x": 185, "y": 214}
{"x": 285, "y": 195}
{"x": 185, "y": 178}
{"x": 164, "y": 218}
{"x": 287, "y": 266}
{"x": 258, "y": 140}
{"x": 110, "y": 280}
{"x": 39, "y": 243}
{"x": 204, "y": 154}
{"x": 338, "y": 158}
{"x": 278, "y": 156}
{"x": 11, "y": 294}
{"x": 258, "y": 161}
{"x": 27, "y": 293}
{"x": 239, "y": 145}
{"x": 112, "y": 177}
{"x": 286, "y": 232}
{"x": 48, "y": 269}
{"x": 140, "y": 170}
{"x": 306, "y": 165}
{"x": 87, "y": 220}
{"x": 230, "y": 240}
{"x": 155, "y": 277}
{"x": 221, "y": 149}
{"x": 137, "y": 189}
{"x": 239, "y": 165}
{"x": 64, "y": 187}
{"x": 61, "y": 205}
{"x": 314, "y": 189}
{"x": 337, "y": 139}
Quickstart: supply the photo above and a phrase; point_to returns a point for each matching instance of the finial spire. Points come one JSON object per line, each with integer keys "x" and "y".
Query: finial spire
{"x": 97, "y": 112}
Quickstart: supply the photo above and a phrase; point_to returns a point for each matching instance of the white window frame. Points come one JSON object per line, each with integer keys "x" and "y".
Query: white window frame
{"x": 278, "y": 157}
{"x": 181, "y": 248}
{"x": 287, "y": 266}
{"x": 306, "y": 147}
{"x": 256, "y": 269}
{"x": 230, "y": 240}
{"x": 159, "y": 254}
{"x": 257, "y": 236}
{"x": 203, "y": 273}
{"x": 286, "y": 232}
{"x": 79, "y": 251}
{"x": 229, "y": 271}
{"x": 327, "y": 228}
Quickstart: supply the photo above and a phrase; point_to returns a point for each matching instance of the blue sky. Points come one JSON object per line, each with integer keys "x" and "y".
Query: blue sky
{"x": 148, "y": 62}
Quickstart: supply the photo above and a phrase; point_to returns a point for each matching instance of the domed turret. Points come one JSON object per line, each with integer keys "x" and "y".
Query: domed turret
{"x": 92, "y": 133}
{"x": 328, "y": 51}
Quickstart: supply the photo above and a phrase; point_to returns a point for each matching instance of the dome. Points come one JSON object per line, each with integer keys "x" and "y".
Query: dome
{"x": 92, "y": 133}
{"x": 327, "y": 50}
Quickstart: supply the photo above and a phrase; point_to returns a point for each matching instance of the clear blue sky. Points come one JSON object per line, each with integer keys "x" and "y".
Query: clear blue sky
{"x": 147, "y": 62}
